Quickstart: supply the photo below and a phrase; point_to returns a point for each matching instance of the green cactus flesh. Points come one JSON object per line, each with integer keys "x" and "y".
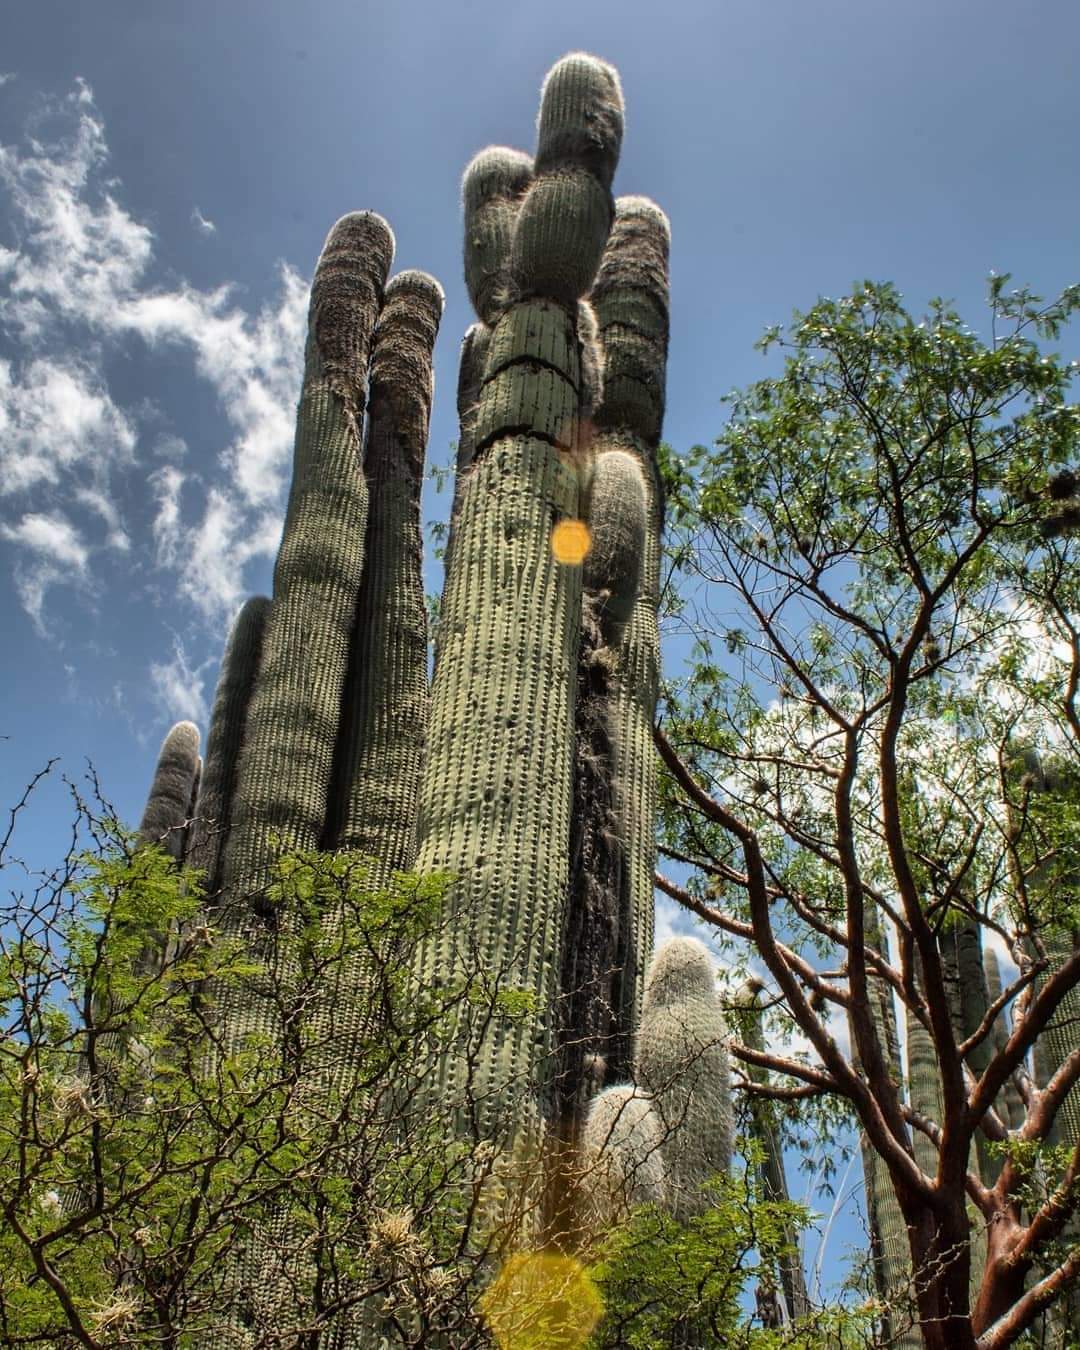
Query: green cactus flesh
{"x": 385, "y": 705}
{"x": 213, "y": 813}
{"x": 496, "y": 799}
{"x": 630, "y": 298}
{"x": 283, "y": 778}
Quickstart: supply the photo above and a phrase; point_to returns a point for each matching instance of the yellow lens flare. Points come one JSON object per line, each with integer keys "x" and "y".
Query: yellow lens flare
{"x": 570, "y": 541}
{"x": 542, "y": 1301}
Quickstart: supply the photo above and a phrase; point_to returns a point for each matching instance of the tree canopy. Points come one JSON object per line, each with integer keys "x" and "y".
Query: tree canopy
{"x": 871, "y": 769}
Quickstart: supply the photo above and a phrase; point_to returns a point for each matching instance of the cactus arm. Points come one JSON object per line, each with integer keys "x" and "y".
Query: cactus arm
{"x": 631, "y": 300}
{"x": 383, "y": 729}
{"x": 213, "y": 811}
{"x": 168, "y": 805}
{"x": 283, "y": 777}
{"x": 681, "y": 1062}
{"x": 495, "y": 803}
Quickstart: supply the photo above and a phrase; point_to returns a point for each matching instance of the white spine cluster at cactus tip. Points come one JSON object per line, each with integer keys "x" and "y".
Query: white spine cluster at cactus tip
{"x": 662, "y": 1139}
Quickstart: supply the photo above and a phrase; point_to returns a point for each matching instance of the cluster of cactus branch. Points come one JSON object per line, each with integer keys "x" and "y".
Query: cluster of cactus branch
{"x": 526, "y": 769}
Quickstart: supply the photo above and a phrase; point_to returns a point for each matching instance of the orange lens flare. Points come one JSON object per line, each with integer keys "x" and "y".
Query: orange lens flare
{"x": 570, "y": 542}
{"x": 541, "y": 1300}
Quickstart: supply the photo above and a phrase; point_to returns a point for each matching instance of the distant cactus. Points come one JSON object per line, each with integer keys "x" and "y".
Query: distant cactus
{"x": 682, "y": 1063}
{"x": 1011, "y": 1105}
{"x": 766, "y": 1133}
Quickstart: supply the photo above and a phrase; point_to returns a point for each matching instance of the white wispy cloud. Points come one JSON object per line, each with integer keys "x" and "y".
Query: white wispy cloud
{"x": 178, "y": 687}
{"x": 51, "y": 552}
{"x": 78, "y": 286}
{"x": 201, "y": 223}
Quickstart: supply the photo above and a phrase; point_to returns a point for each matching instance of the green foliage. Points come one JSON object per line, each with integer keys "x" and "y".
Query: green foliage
{"x": 130, "y": 1166}
{"x": 662, "y": 1280}
{"x": 880, "y": 617}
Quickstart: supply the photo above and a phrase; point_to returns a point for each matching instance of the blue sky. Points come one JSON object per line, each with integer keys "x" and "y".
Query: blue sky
{"x": 168, "y": 173}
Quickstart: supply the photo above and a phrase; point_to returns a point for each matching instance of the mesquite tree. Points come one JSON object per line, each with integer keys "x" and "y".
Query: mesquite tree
{"x": 873, "y": 771}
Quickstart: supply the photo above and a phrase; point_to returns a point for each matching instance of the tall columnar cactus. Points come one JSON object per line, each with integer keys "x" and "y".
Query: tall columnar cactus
{"x": 682, "y": 1063}
{"x": 168, "y": 810}
{"x": 283, "y": 777}
{"x": 772, "y": 1172}
{"x": 239, "y": 666}
{"x": 535, "y": 781}
{"x": 496, "y": 800}
{"x": 384, "y": 714}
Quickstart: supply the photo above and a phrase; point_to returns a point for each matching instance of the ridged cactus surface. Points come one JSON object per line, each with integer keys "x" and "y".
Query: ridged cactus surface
{"x": 168, "y": 805}
{"x": 283, "y": 778}
{"x": 496, "y": 800}
{"x": 384, "y": 712}
{"x": 213, "y": 811}
{"x": 682, "y": 1063}
{"x": 631, "y": 301}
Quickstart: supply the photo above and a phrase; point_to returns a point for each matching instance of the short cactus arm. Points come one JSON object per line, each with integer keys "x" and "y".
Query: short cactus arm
{"x": 283, "y": 777}
{"x": 213, "y": 810}
{"x": 681, "y": 1062}
{"x": 168, "y": 806}
{"x": 384, "y": 717}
